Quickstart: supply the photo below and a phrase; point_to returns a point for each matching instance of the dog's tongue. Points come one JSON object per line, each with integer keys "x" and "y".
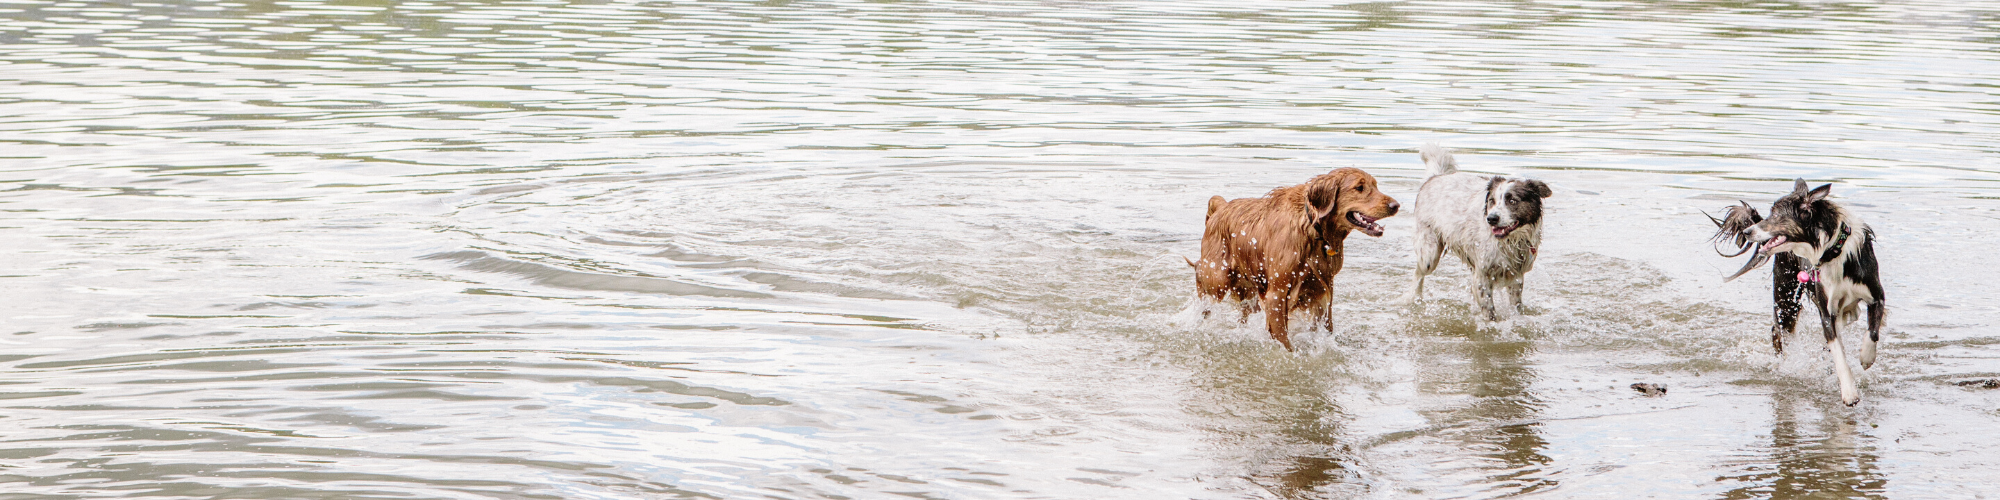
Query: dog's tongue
{"x": 1501, "y": 232}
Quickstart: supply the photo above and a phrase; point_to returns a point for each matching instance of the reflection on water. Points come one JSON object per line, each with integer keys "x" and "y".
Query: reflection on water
{"x": 1500, "y": 377}
{"x": 1484, "y": 410}
{"x": 842, "y": 249}
{"x": 1495, "y": 417}
{"x": 1820, "y": 456}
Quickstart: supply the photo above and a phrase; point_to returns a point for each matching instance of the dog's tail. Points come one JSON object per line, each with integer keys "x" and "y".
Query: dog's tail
{"x": 1437, "y": 159}
{"x": 1214, "y": 203}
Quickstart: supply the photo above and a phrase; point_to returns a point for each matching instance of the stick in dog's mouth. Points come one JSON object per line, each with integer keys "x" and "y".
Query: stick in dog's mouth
{"x": 1365, "y": 223}
{"x": 1733, "y": 228}
{"x": 1757, "y": 260}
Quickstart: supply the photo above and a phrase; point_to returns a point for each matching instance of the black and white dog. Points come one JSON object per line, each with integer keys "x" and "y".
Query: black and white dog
{"x": 1822, "y": 251}
{"x": 1493, "y": 224}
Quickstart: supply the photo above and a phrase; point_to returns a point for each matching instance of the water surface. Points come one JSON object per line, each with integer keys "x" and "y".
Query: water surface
{"x": 844, "y": 249}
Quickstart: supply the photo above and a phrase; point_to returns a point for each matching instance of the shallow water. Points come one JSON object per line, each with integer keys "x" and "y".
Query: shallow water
{"x": 538, "y": 249}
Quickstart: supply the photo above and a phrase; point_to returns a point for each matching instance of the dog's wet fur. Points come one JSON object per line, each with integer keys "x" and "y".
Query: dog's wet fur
{"x": 1802, "y": 238}
{"x": 1279, "y": 253}
{"x": 1493, "y": 224}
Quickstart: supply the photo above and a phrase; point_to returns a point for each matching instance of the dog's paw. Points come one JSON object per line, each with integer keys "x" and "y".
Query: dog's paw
{"x": 1867, "y": 355}
{"x": 1407, "y": 300}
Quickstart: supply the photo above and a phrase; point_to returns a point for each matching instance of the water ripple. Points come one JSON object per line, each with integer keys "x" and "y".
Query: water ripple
{"x": 529, "y": 249}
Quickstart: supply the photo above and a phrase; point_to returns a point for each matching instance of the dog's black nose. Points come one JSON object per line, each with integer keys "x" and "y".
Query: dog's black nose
{"x": 1393, "y": 207}
{"x": 1492, "y": 219}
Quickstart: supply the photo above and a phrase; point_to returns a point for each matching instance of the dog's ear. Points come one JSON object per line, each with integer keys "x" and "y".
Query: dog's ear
{"x": 1799, "y": 186}
{"x": 1541, "y": 188}
{"x": 1818, "y": 193}
{"x": 1322, "y": 197}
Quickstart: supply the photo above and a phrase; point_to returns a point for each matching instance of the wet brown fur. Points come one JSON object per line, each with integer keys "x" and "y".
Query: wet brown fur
{"x": 1279, "y": 253}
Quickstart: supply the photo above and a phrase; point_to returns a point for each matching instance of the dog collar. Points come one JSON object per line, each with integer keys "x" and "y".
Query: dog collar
{"x": 1838, "y": 244}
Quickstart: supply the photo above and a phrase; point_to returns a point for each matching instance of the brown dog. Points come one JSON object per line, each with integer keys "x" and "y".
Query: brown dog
{"x": 1280, "y": 252}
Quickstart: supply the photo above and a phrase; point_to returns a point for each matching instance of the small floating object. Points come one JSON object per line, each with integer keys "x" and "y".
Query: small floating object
{"x": 1650, "y": 389}
{"x": 1982, "y": 383}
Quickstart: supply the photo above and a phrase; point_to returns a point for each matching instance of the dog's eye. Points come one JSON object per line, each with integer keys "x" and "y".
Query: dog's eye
{"x": 1360, "y": 189}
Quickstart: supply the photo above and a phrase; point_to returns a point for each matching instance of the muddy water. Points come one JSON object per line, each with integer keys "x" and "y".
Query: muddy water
{"x": 537, "y": 249}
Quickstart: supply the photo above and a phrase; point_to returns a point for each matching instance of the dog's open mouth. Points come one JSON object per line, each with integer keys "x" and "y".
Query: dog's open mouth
{"x": 1768, "y": 245}
{"x": 1503, "y": 231}
{"x": 1365, "y": 223}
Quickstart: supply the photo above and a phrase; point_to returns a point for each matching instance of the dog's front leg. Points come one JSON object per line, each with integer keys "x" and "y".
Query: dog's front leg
{"x": 1514, "y": 286}
{"x": 1482, "y": 294}
{"x": 1786, "y": 290}
{"x": 1323, "y": 309}
{"x": 1276, "y": 317}
{"x": 1830, "y": 322}
{"x": 1877, "y": 312}
{"x": 1325, "y": 314}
